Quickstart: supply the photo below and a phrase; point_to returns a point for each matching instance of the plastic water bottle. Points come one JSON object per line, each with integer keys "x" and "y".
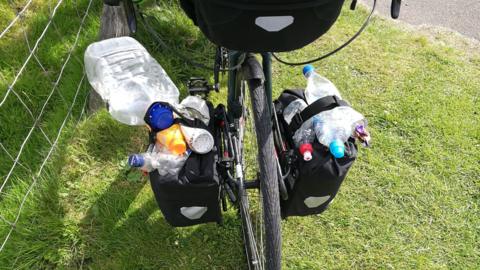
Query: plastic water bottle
{"x": 195, "y": 107}
{"x": 172, "y": 139}
{"x": 128, "y": 78}
{"x": 159, "y": 159}
{"x": 293, "y": 108}
{"x": 334, "y": 127}
{"x": 303, "y": 140}
{"x": 146, "y": 162}
{"x": 198, "y": 139}
{"x": 170, "y": 164}
{"x": 318, "y": 86}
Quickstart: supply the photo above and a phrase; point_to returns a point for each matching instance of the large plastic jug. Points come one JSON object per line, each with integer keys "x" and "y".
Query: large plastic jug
{"x": 128, "y": 78}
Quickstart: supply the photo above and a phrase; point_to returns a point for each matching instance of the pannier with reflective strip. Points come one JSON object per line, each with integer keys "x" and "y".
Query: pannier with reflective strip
{"x": 311, "y": 185}
{"x": 194, "y": 196}
{"x": 263, "y": 25}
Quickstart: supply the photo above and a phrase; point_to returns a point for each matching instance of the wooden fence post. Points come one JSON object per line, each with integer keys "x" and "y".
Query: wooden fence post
{"x": 113, "y": 24}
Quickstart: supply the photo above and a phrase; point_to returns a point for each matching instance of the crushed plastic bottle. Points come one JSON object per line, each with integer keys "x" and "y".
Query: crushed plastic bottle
{"x": 170, "y": 165}
{"x": 334, "y": 127}
{"x": 195, "y": 107}
{"x": 293, "y": 108}
{"x": 166, "y": 163}
{"x": 318, "y": 86}
{"x": 128, "y": 78}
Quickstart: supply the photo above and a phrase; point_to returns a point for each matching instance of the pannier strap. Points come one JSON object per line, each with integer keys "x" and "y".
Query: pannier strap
{"x": 323, "y": 104}
{"x": 197, "y": 123}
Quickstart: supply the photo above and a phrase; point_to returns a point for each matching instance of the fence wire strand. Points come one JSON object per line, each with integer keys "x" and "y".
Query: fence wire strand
{"x": 40, "y": 38}
{"x": 17, "y": 17}
{"x": 55, "y": 85}
{"x": 81, "y": 87}
{"x": 40, "y": 170}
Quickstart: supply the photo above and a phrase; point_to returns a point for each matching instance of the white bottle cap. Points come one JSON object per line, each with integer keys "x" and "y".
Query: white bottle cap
{"x": 307, "y": 156}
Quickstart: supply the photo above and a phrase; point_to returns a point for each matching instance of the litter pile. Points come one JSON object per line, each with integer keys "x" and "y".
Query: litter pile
{"x": 139, "y": 92}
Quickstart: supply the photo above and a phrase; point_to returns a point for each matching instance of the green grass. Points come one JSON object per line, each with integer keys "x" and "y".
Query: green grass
{"x": 410, "y": 201}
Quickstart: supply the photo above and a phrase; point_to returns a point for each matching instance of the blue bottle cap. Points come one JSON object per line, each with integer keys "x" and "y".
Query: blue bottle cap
{"x": 160, "y": 117}
{"x": 136, "y": 161}
{"x": 307, "y": 69}
{"x": 337, "y": 148}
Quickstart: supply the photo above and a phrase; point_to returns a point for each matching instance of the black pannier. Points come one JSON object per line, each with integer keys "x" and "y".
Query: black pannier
{"x": 194, "y": 196}
{"x": 313, "y": 184}
{"x": 263, "y": 25}
{"x": 188, "y": 200}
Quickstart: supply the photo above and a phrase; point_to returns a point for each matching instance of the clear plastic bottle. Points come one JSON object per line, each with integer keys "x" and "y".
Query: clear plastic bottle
{"x": 146, "y": 162}
{"x": 318, "y": 86}
{"x": 128, "y": 78}
{"x": 170, "y": 164}
{"x": 303, "y": 140}
{"x": 334, "y": 138}
{"x": 334, "y": 127}
{"x": 195, "y": 107}
{"x": 293, "y": 108}
{"x": 159, "y": 159}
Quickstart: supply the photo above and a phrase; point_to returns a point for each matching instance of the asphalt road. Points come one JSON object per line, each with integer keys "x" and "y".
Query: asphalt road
{"x": 462, "y": 16}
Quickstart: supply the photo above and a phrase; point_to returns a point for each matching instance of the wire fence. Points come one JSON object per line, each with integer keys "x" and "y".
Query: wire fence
{"x": 41, "y": 111}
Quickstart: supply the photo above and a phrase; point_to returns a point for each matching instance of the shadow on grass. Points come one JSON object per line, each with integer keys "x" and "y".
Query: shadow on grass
{"x": 108, "y": 140}
{"x": 124, "y": 229}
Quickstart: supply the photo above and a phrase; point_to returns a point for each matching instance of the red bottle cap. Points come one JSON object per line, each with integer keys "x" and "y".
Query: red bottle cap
{"x": 306, "y": 150}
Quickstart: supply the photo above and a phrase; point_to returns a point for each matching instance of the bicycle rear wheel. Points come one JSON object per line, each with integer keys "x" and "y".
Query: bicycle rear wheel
{"x": 259, "y": 208}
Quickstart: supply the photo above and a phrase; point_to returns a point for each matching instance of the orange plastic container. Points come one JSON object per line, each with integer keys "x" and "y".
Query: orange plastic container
{"x": 172, "y": 138}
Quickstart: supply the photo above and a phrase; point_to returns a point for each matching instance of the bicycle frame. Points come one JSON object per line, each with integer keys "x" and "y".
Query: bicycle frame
{"x": 234, "y": 58}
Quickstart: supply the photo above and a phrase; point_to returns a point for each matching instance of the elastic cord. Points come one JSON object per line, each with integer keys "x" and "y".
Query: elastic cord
{"x": 365, "y": 24}
{"x": 199, "y": 65}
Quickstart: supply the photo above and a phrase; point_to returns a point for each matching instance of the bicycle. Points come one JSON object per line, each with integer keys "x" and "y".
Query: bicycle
{"x": 249, "y": 103}
{"x": 255, "y": 192}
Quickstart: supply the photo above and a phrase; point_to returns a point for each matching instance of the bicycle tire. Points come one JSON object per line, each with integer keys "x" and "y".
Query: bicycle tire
{"x": 270, "y": 200}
